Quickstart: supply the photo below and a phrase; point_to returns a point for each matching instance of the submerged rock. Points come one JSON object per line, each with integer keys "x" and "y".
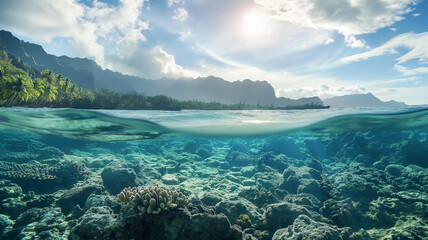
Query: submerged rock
{"x": 305, "y": 228}
{"x": 232, "y": 208}
{"x": 115, "y": 178}
{"x": 76, "y": 196}
{"x": 280, "y": 215}
{"x": 102, "y": 223}
{"x": 98, "y": 223}
{"x": 6, "y": 226}
{"x": 9, "y": 189}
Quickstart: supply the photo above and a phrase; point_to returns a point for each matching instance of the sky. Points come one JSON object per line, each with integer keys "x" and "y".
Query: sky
{"x": 302, "y": 48}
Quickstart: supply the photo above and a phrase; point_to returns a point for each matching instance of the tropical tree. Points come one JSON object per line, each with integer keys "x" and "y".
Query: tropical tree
{"x": 18, "y": 89}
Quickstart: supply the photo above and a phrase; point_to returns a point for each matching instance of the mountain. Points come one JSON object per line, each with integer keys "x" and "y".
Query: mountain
{"x": 360, "y": 100}
{"x": 86, "y": 73}
{"x": 35, "y": 56}
{"x": 18, "y": 63}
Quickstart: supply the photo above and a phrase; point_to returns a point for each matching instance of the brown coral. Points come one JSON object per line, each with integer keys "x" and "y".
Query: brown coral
{"x": 64, "y": 172}
{"x": 152, "y": 200}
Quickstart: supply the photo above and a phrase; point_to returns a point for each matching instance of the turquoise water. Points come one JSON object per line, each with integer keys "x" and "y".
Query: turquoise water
{"x": 355, "y": 173}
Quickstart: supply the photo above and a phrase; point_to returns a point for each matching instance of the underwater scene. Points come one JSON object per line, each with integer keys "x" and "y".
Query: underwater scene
{"x": 335, "y": 174}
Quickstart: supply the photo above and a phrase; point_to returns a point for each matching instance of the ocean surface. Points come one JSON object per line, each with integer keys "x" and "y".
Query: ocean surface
{"x": 351, "y": 173}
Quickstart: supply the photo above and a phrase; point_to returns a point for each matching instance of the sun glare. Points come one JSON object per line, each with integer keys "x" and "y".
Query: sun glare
{"x": 254, "y": 23}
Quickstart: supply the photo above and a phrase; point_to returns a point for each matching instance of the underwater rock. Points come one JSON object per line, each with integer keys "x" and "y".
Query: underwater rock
{"x": 306, "y": 200}
{"x": 50, "y": 152}
{"x": 304, "y": 180}
{"x": 259, "y": 196}
{"x": 98, "y": 223}
{"x": 407, "y": 227}
{"x": 103, "y": 223}
{"x": 115, "y": 179}
{"x": 293, "y": 176}
{"x": 203, "y": 152}
{"x": 232, "y": 208}
{"x": 207, "y": 226}
{"x": 280, "y": 215}
{"x": 342, "y": 213}
{"x": 414, "y": 151}
{"x": 190, "y": 146}
{"x": 9, "y": 189}
{"x": 238, "y": 159}
{"x": 76, "y": 196}
{"x": 238, "y": 146}
{"x": 210, "y": 199}
{"x": 43, "y": 223}
{"x": 305, "y": 228}
{"x": 356, "y": 184}
{"x": 6, "y": 226}
{"x": 170, "y": 179}
{"x": 248, "y": 171}
{"x": 394, "y": 169}
{"x": 278, "y": 162}
{"x": 96, "y": 200}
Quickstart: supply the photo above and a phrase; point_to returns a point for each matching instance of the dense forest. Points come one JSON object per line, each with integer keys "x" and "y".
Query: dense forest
{"x": 22, "y": 86}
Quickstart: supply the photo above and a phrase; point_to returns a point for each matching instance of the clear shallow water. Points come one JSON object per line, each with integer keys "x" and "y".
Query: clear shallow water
{"x": 125, "y": 125}
{"x": 345, "y": 173}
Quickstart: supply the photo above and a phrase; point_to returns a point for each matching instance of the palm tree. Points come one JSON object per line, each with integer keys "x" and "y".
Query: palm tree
{"x": 18, "y": 89}
{"x": 49, "y": 94}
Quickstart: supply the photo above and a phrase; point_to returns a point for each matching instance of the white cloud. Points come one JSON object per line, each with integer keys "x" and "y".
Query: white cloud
{"x": 172, "y": 2}
{"x": 348, "y": 17}
{"x": 120, "y": 28}
{"x": 416, "y": 14}
{"x": 417, "y": 50}
{"x": 154, "y": 62}
{"x": 180, "y": 14}
{"x": 328, "y": 41}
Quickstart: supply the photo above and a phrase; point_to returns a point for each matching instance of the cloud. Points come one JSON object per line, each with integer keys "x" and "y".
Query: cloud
{"x": 328, "y": 41}
{"x": 119, "y": 27}
{"x": 348, "y": 17}
{"x": 417, "y": 50}
{"x": 323, "y": 91}
{"x": 154, "y": 62}
{"x": 180, "y": 14}
{"x": 172, "y": 2}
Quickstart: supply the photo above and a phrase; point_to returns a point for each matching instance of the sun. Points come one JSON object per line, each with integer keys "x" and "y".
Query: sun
{"x": 254, "y": 23}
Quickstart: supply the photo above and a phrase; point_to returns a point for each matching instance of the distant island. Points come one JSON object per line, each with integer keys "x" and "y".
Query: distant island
{"x": 360, "y": 100}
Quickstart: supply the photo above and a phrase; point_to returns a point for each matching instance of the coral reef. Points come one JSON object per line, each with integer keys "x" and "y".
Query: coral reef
{"x": 351, "y": 186}
{"x": 32, "y": 176}
{"x": 152, "y": 200}
{"x": 244, "y": 221}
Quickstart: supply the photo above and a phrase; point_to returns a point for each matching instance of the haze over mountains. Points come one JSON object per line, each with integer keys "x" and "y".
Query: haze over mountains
{"x": 360, "y": 100}
{"x": 86, "y": 73}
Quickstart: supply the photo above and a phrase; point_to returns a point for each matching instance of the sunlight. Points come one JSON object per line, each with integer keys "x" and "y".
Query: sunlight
{"x": 254, "y": 23}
